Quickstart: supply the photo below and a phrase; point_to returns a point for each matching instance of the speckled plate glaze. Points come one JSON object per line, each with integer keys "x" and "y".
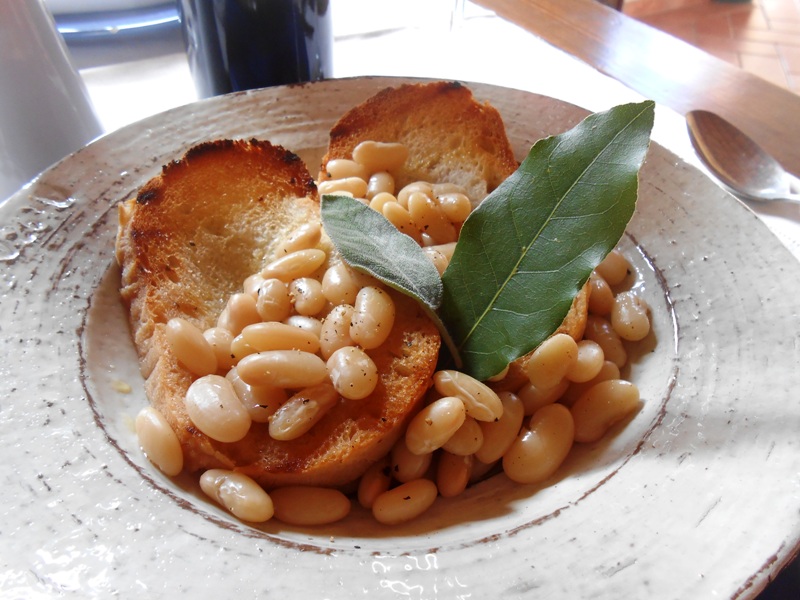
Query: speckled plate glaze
{"x": 697, "y": 496}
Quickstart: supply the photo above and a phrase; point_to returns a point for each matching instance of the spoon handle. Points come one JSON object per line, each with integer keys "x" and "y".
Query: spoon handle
{"x": 789, "y": 198}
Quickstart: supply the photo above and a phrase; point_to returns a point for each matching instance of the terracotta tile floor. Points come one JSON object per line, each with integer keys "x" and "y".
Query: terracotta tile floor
{"x": 760, "y": 36}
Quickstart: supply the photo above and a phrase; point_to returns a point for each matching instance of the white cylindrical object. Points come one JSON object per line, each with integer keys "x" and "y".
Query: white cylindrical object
{"x": 45, "y": 109}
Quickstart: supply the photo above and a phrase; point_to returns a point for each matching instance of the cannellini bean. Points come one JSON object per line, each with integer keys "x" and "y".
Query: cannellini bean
{"x": 273, "y": 302}
{"x": 399, "y": 216}
{"x": 301, "y": 263}
{"x": 575, "y": 390}
{"x": 455, "y": 205}
{"x": 352, "y": 372}
{"x": 307, "y": 296}
{"x": 381, "y": 182}
{"x": 407, "y": 466}
{"x": 374, "y": 482}
{"x": 304, "y": 237}
{"x": 614, "y": 268}
{"x": 533, "y": 398}
{"x": 261, "y": 401}
{"x": 439, "y": 260}
{"x": 551, "y": 361}
{"x": 589, "y": 362}
{"x": 215, "y": 409}
{"x": 380, "y": 156}
{"x": 538, "y": 451}
{"x": 499, "y": 435}
{"x": 240, "y": 348}
{"x": 452, "y": 473}
{"x": 601, "y": 406}
{"x": 380, "y": 199}
{"x": 309, "y": 505}
{"x": 354, "y": 186}
{"x": 239, "y": 494}
{"x": 418, "y": 186}
{"x": 158, "y": 441}
{"x": 405, "y": 502}
{"x": 600, "y": 330}
{"x": 240, "y": 311}
{"x": 220, "y": 340}
{"x": 481, "y": 402}
{"x": 252, "y": 283}
{"x": 431, "y": 427}
{"x": 480, "y": 470}
{"x": 466, "y": 440}
{"x": 341, "y": 168}
{"x": 601, "y": 297}
{"x": 629, "y": 316}
{"x": 446, "y": 249}
{"x": 283, "y": 368}
{"x": 340, "y": 284}
{"x": 308, "y": 324}
{"x": 430, "y": 219}
{"x": 373, "y": 317}
{"x": 335, "y": 332}
{"x": 190, "y": 347}
{"x": 302, "y": 411}
{"x": 279, "y": 336}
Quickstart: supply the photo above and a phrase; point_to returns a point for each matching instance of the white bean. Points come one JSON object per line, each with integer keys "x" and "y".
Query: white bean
{"x": 405, "y": 502}
{"x": 309, "y": 505}
{"x": 499, "y": 435}
{"x": 335, "y": 331}
{"x": 431, "y": 427}
{"x": 283, "y": 368}
{"x": 481, "y": 402}
{"x": 373, "y": 317}
{"x": 538, "y": 452}
{"x": 352, "y": 372}
{"x": 215, "y": 409}
{"x": 601, "y": 406}
{"x": 190, "y": 347}
{"x": 466, "y": 440}
{"x": 453, "y": 473}
{"x": 629, "y": 316}
{"x": 273, "y": 302}
{"x": 380, "y": 156}
{"x": 159, "y": 442}
{"x": 261, "y": 401}
{"x": 549, "y": 363}
{"x": 301, "y": 263}
{"x": 238, "y": 493}
{"x": 304, "y": 237}
{"x": 302, "y": 411}
{"x": 374, "y": 482}
{"x": 407, "y": 466}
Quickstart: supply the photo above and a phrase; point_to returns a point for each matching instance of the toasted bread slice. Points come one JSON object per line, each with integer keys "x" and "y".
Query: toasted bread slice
{"x": 186, "y": 243}
{"x": 450, "y": 136}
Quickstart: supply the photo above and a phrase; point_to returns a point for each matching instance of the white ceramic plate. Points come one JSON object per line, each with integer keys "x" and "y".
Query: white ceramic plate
{"x": 697, "y": 496}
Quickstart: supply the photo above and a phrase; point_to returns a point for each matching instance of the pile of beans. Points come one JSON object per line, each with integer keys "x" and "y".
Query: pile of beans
{"x": 296, "y": 340}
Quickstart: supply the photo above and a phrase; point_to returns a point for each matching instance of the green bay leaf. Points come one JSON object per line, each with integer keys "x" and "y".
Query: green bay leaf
{"x": 526, "y": 251}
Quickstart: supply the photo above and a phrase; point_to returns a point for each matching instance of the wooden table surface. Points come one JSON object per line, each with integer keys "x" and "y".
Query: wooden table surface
{"x": 663, "y": 68}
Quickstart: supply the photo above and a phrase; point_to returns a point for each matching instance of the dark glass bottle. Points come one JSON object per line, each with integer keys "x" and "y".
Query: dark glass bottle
{"x": 236, "y": 45}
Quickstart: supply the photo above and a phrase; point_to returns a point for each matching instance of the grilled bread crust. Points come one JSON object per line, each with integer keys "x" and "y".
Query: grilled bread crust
{"x": 186, "y": 243}
{"x": 450, "y": 136}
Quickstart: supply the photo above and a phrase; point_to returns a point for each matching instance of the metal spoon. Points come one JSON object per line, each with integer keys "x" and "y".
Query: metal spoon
{"x": 740, "y": 164}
